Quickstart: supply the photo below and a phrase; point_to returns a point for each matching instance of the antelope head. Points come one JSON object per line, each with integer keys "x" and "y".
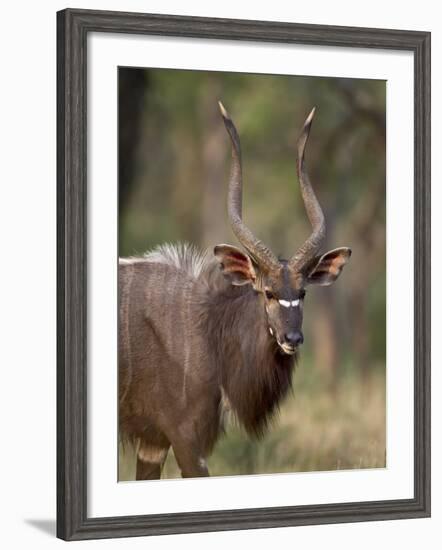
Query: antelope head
{"x": 281, "y": 283}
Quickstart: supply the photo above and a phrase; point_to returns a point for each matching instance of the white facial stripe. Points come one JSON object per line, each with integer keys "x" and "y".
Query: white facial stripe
{"x": 271, "y": 331}
{"x": 286, "y": 303}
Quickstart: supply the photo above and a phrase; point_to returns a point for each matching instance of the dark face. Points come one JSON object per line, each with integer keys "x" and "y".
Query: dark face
{"x": 282, "y": 288}
{"x": 283, "y": 295}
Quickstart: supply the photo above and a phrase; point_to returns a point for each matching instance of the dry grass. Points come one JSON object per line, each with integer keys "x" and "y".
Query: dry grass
{"x": 318, "y": 430}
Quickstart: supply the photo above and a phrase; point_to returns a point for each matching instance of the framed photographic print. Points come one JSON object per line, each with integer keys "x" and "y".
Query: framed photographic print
{"x": 243, "y": 274}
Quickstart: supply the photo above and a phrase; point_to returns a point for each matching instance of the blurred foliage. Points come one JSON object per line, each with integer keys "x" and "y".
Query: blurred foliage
{"x": 174, "y": 161}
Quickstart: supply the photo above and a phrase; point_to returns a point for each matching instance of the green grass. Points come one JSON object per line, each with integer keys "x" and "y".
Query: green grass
{"x": 319, "y": 429}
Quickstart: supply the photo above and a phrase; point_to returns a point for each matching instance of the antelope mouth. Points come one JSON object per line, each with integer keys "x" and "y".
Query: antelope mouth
{"x": 288, "y": 349}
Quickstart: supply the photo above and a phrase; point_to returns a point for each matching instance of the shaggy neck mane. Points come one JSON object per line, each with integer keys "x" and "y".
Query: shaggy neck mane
{"x": 255, "y": 374}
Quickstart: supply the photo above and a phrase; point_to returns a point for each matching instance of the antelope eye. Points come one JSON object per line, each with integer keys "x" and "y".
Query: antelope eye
{"x": 269, "y": 295}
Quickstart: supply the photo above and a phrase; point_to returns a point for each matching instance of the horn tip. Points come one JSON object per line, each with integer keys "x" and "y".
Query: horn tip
{"x": 223, "y": 110}
{"x": 310, "y": 117}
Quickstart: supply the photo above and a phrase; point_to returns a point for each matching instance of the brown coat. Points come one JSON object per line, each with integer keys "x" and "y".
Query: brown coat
{"x": 186, "y": 339}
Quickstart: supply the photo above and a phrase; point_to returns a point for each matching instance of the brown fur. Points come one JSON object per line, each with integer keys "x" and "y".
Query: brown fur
{"x": 185, "y": 334}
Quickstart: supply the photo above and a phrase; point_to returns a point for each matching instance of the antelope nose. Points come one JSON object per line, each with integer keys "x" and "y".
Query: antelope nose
{"x": 294, "y": 338}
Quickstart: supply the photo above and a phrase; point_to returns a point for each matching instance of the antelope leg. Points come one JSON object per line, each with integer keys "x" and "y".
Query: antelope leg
{"x": 190, "y": 460}
{"x": 150, "y": 460}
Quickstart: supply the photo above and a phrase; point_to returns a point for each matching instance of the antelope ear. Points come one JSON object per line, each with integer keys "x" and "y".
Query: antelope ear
{"x": 235, "y": 264}
{"x": 324, "y": 270}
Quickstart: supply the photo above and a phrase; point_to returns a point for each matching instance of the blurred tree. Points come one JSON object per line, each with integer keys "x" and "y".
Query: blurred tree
{"x": 132, "y": 86}
{"x": 213, "y": 164}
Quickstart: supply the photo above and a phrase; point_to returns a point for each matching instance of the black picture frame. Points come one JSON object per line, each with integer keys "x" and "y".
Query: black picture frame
{"x": 73, "y": 27}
